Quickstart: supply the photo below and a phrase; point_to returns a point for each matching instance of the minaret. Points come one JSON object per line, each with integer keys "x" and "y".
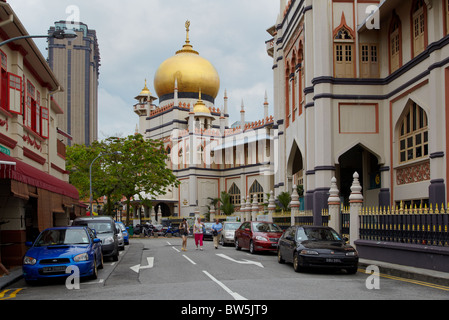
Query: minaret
{"x": 175, "y": 94}
{"x": 242, "y": 117}
{"x": 265, "y": 105}
{"x": 226, "y": 113}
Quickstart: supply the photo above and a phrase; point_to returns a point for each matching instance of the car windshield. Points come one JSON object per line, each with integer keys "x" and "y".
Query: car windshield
{"x": 265, "y": 227}
{"x": 62, "y": 237}
{"x": 208, "y": 225}
{"x": 231, "y": 226}
{"x": 317, "y": 234}
{"x": 98, "y": 225}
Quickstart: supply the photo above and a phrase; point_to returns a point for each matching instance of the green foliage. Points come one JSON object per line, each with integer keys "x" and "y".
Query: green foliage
{"x": 139, "y": 172}
{"x": 226, "y": 206}
{"x": 284, "y": 199}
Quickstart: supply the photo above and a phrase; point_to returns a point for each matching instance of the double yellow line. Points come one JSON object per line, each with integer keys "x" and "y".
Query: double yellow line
{"x": 417, "y": 282}
{"x": 12, "y": 295}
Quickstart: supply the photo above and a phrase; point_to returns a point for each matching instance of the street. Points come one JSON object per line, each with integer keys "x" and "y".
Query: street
{"x": 157, "y": 269}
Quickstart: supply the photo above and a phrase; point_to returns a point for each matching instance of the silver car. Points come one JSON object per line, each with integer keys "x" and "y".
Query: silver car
{"x": 227, "y": 235}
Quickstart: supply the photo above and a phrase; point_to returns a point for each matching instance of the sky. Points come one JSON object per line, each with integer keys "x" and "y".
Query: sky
{"x": 136, "y": 36}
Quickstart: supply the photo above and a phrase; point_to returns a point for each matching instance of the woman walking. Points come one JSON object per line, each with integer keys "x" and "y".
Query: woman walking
{"x": 198, "y": 233}
{"x": 184, "y": 230}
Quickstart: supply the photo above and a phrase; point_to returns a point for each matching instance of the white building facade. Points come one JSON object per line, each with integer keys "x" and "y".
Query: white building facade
{"x": 362, "y": 86}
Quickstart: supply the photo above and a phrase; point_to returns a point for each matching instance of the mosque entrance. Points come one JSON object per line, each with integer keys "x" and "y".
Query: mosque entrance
{"x": 295, "y": 168}
{"x": 366, "y": 164}
{"x": 162, "y": 208}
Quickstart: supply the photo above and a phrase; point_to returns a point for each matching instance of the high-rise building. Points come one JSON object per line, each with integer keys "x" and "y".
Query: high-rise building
{"x": 76, "y": 62}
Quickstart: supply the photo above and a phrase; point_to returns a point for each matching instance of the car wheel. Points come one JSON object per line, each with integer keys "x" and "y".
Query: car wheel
{"x": 280, "y": 260}
{"x": 237, "y": 244}
{"x": 251, "y": 248}
{"x": 101, "y": 266}
{"x": 95, "y": 270}
{"x": 115, "y": 256}
{"x": 296, "y": 265}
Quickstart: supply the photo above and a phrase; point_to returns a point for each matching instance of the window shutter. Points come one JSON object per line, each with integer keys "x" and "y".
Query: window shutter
{"x": 15, "y": 93}
{"x": 45, "y": 122}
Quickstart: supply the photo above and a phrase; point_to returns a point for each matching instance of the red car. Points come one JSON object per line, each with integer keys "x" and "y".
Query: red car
{"x": 258, "y": 236}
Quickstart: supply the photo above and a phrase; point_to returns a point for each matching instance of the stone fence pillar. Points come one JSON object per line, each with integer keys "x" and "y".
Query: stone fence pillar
{"x": 334, "y": 206}
{"x": 294, "y": 206}
{"x": 355, "y": 203}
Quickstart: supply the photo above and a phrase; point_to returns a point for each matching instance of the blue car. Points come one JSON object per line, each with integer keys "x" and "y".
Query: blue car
{"x": 56, "y": 249}
{"x": 124, "y": 231}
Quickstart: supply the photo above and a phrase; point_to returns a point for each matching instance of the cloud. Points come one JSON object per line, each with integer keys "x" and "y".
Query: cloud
{"x": 136, "y": 36}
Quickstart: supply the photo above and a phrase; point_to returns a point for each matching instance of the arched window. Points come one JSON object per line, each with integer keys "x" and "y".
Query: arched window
{"x": 256, "y": 191}
{"x": 413, "y": 134}
{"x": 419, "y": 27}
{"x": 234, "y": 192}
{"x": 344, "y": 53}
{"x": 287, "y": 95}
{"x": 395, "y": 43}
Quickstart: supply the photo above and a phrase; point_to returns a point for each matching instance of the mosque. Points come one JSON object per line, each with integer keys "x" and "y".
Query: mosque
{"x": 205, "y": 153}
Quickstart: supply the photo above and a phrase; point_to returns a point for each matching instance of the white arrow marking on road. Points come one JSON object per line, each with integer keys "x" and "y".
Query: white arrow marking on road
{"x": 137, "y": 267}
{"x": 241, "y": 262}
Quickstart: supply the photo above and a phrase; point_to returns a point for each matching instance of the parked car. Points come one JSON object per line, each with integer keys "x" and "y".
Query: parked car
{"x": 55, "y": 249}
{"x": 228, "y": 233}
{"x": 124, "y": 231}
{"x": 120, "y": 238}
{"x": 309, "y": 246}
{"x": 257, "y": 236}
{"x": 207, "y": 235}
{"x": 104, "y": 227}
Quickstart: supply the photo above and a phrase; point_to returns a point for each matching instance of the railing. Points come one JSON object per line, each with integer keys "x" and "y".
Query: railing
{"x": 426, "y": 226}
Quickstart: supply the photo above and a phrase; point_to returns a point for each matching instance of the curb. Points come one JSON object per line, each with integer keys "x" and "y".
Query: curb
{"x": 418, "y": 274}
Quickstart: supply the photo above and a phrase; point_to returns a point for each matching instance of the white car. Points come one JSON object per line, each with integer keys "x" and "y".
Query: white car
{"x": 227, "y": 235}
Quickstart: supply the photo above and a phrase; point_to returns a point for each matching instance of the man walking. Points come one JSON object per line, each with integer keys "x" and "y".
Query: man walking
{"x": 217, "y": 227}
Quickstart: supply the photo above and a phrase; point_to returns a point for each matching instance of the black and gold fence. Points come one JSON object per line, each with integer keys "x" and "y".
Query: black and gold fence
{"x": 426, "y": 226}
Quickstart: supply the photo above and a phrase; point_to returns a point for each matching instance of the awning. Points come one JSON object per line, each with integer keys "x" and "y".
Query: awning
{"x": 29, "y": 175}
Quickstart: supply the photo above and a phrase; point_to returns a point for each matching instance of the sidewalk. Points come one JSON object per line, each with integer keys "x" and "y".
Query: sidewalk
{"x": 15, "y": 274}
{"x": 425, "y": 275}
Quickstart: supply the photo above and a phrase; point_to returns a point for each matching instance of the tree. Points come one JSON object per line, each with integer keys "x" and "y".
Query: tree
{"x": 142, "y": 169}
{"x": 226, "y": 206}
{"x": 284, "y": 199}
{"x": 139, "y": 172}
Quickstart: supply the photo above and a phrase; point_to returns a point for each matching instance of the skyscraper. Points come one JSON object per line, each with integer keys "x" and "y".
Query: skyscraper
{"x": 76, "y": 63}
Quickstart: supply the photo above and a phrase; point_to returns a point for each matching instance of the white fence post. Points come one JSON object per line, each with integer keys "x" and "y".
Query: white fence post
{"x": 356, "y": 203}
{"x": 334, "y": 206}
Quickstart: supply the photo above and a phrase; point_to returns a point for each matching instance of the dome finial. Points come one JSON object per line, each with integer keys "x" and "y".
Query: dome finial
{"x": 187, "y": 31}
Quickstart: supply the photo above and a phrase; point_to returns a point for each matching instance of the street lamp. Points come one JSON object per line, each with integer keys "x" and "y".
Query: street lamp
{"x": 58, "y": 34}
{"x": 90, "y": 178}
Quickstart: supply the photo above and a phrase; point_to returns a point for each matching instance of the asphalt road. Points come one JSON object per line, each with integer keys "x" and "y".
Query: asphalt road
{"x": 157, "y": 269}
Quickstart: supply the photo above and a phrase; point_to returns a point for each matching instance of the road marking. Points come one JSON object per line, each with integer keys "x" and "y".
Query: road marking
{"x": 168, "y": 243}
{"x": 95, "y": 282}
{"x": 417, "y": 282}
{"x": 235, "y": 295}
{"x": 12, "y": 295}
{"x": 191, "y": 261}
{"x": 138, "y": 267}
{"x": 176, "y": 249}
{"x": 241, "y": 262}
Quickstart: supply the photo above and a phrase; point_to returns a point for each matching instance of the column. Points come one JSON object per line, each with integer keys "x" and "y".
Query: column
{"x": 294, "y": 206}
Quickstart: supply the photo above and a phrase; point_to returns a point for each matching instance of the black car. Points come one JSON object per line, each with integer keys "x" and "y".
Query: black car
{"x": 311, "y": 246}
{"x": 207, "y": 235}
{"x": 105, "y": 230}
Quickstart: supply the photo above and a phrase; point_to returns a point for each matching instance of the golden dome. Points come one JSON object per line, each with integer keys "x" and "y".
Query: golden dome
{"x": 191, "y": 71}
{"x": 200, "y": 107}
{"x": 145, "y": 91}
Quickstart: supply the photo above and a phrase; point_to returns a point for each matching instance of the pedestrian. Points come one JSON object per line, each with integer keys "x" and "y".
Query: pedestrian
{"x": 217, "y": 227}
{"x": 184, "y": 230}
{"x": 198, "y": 233}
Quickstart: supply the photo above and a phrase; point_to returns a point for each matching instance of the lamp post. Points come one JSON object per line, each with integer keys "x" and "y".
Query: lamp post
{"x": 90, "y": 178}
{"x": 58, "y": 34}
